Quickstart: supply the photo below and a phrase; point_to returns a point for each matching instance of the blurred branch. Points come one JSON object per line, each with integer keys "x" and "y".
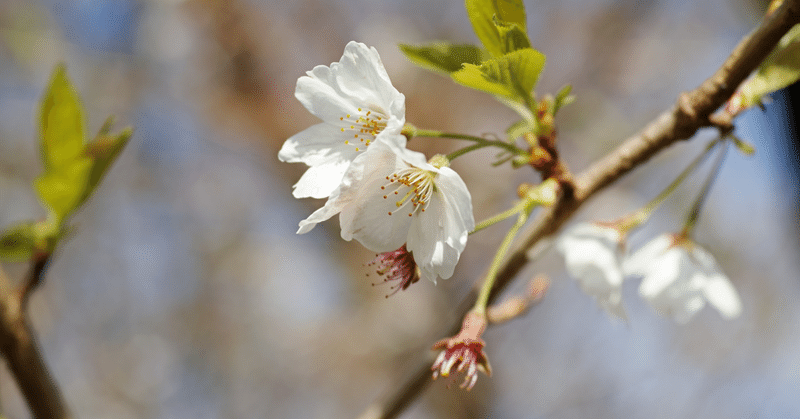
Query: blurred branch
{"x": 519, "y": 305}
{"x": 691, "y": 112}
{"x": 32, "y": 281}
{"x": 19, "y": 348}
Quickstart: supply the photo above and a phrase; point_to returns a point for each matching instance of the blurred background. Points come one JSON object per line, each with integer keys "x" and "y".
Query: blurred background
{"x": 185, "y": 293}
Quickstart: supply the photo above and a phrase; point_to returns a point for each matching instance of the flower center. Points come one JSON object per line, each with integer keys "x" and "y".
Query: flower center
{"x": 397, "y": 265}
{"x": 413, "y": 186}
{"x": 365, "y": 126}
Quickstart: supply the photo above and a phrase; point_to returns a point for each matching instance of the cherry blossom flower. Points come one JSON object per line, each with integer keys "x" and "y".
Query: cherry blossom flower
{"x": 679, "y": 277}
{"x": 391, "y": 196}
{"x": 593, "y": 254}
{"x": 464, "y": 352}
{"x": 358, "y": 106}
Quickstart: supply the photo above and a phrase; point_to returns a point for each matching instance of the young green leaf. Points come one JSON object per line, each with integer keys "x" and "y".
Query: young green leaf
{"x": 482, "y": 14}
{"x": 743, "y": 146}
{"x": 62, "y": 190}
{"x": 512, "y": 37}
{"x": 61, "y": 130}
{"x": 512, "y": 76}
{"x": 73, "y": 169}
{"x": 103, "y": 152}
{"x": 563, "y": 98}
{"x": 444, "y": 57}
{"x": 518, "y": 128}
{"x": 17, "y": 243}
{"x": 779, "y": 70}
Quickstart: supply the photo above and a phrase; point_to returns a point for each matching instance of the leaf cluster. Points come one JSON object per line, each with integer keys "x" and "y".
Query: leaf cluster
{"x": 506, "y": 66}
{"x": 73, "y": 168}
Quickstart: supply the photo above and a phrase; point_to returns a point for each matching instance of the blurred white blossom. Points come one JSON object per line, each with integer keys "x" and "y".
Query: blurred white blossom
{"x": 679, "y": 277}
{"x": 391, "y": 196}
{"x": 358, "y": 106}
{"x": 593, "y": 255}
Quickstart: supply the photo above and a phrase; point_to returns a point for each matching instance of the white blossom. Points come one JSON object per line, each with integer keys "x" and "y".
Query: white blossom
{"x": 391, "y": 196}
{"x": 358, "y": 106}
{"x": 593, "y": 255}
{"x": 679, "y": 277}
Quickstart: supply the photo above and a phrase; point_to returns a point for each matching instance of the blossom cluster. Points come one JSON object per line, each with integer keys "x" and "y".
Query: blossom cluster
{"x": 678, "y": 276}
{"x": 416, "y": 212}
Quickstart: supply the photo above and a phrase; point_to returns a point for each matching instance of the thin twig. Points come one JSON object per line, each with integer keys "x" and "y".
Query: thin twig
{"x": 32, "y": 281}
{"x": 688, "y": 115}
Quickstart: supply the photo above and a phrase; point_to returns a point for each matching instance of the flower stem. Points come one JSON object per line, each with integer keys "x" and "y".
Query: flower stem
{"x": 523, "y": 210}
{"x": 465, "y": 150}
{"x": 500, "y": 217}
{"x": 480, "y": 142}
{"x": 497, "y": 262}
{"x": 694, "y": 212}
{"x": 641, "y": 215}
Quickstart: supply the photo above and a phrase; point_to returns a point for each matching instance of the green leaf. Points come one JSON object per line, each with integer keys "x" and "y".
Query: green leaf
{"x": 73, "y": 169}
{"x": 61, "y": 130}
{"x": 482, "y": 14}
{"x": 62, "y": 190}
{"x": 779, "y": 70}
{"x": 512, "y": 76}
{"x": 443, "y": 57}
{"x": 563, "y": 98}
{"x": 743, "y": 146}
{"x": 518, "y": 128}
{"x": 103, "y": 152}
{"x": 512, "y": 37}
{"x": 18, "y": 242}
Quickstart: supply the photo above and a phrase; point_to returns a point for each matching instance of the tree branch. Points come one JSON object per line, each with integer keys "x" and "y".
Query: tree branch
{"x": 23, "y": 293}
{"x": 19, "y": 348}
{"x": 691, "y": 112}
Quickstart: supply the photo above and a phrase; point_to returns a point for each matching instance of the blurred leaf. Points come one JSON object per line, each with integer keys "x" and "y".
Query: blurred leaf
{"x": 103, "y": 152}
{"x": 443, "y": 57}
{"x": 61, "y": 130}
{"x": 518, "y": 128}
{"x": 512, "y": 76}
{"x": 73, "y": 169}
{"x": 17, "y": 243}
{"x": 482, "y": 14}
{"x": 563, "y": 98}
{"x": 743, "y": 146}
{"x": 63, "y": 189}
{"x": 779, "y": 70}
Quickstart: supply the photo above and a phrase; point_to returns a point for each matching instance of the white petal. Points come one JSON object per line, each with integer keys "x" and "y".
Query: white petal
{"x": 662, "y": 271}
{"x": 358, "y": 80}
{"x": 331, "y": 208}
{"x": 367, "y": 218}
{"x": 439, "y": 235}
{"x": 317, "y": 144}
{"x": 434, "y": 251}
{"x": 341, "y": 197}
{"x": 457, "y": 199}
{"x": 321, "y": 180}
{"x": 592, "y": 255}
{"x": 640, "y": 263}
{"x": 364, "y": 76}
{"x": 319, "y": 94}
{"x": 671, "y": 287}
{"x": 719, "y": 291}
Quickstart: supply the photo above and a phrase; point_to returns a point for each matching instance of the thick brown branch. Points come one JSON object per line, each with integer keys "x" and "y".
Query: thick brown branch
{"x": 688, "y": 115}
{"x": 18, "y": 347}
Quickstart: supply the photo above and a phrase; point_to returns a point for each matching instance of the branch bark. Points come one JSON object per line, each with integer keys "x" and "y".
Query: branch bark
{"x": 20, "y": 350}
{"x": 691, "y": 112}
